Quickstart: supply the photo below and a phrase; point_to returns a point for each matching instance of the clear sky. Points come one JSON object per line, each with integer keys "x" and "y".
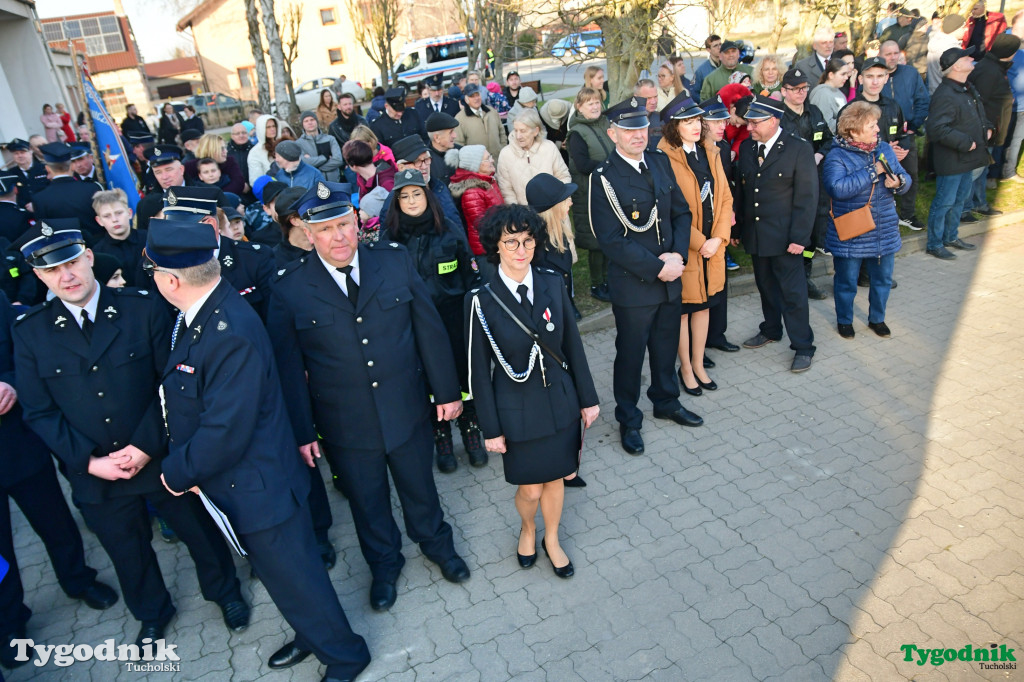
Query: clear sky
{"x": 152, "y": 22}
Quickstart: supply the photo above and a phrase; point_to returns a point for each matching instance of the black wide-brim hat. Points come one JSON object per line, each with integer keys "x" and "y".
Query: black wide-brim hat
{"x": 544, "y": 191}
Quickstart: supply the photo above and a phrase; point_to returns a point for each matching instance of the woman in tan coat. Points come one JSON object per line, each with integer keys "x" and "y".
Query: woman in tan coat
{"x": 527, "y": 154}
{"x": 701, "y": 177}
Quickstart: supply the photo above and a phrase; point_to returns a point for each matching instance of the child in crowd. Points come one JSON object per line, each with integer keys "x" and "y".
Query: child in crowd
{"x": 369, "y": 214}
{"x": 122, "y": 242}
{"x": 231, "y": 224}
{"x": 209, "y": 173}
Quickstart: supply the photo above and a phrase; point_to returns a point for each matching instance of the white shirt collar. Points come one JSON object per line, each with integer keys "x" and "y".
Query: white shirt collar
{"x": 194, "y": 309}
{"x": 632, "y": 162}
{"x": 689, "y": 147}
{"x": 339, "y": 276}
{"x": 513, "y": 285}
{"x": 771, "y": 142}
{"x": 91, "y": 306}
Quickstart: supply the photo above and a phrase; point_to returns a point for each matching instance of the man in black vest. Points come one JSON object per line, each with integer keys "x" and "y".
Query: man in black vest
{"x": 776, "y": 201}
{"x": 642, "y": 222}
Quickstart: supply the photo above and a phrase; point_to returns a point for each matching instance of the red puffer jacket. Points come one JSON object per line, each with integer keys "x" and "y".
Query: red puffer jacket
{"x": 476, "y": 193}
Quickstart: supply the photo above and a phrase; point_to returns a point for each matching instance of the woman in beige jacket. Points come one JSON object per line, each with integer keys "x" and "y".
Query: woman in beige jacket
{"x": 701, "y": 178}
{"x": 528, "y": 153}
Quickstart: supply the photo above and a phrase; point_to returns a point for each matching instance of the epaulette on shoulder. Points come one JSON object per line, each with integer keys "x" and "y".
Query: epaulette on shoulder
{"x": 132, "y": 291}
{"x": 34, "y": 310}
{"x": 390, "y": 246}
{"x": 547, "y": 271}
{"x": 600, "y": 167}
{"x": 248, "y": 246}
{"x": 290, "y": 268}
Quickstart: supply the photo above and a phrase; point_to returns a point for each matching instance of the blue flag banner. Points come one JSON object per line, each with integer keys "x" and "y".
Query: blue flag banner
{"x": 4, "y": 567}
{"x": 116, "y": 168}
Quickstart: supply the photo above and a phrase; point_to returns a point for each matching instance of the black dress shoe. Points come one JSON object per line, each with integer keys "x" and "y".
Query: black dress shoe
{"x": 708, "y": 362}
{"x": 880, "y": 328}
{"x": 526, "y": 560}
{"x": 327, "y": 553}
{"x": 707, "y": 386}
{"x": 455, "y": 570}
{"x": 814, "y": 293}
{"x": 601, "y": 293}
{"x": 968, "y": 217}
{"x": 236, "y": 615}
{"x": 98, "y": 596}
{"x": 632, "y": 441}
{"x": 383, "y": 594}
{"x": 846, "y": 331}
{"x": 687, "y": 389}
{"x": 961, "y": 244}
{"x": 758, "y": 341}
{"x": 574, "y": 482}
{"x": 566, "y": 571}
{"x": 681, "y": 416}
{"x": 801, "y": 363}
{"x": 153, "y": 631}
{"x": 287, "y": 656}
{"x": 725, "y": 347}
{"x": 989, "y": 212}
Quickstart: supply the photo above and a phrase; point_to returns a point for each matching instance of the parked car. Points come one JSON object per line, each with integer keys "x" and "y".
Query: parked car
{"x": 205, "y": 101}
{"x": 587, "y": 42}
{"x": 307, "y": 95}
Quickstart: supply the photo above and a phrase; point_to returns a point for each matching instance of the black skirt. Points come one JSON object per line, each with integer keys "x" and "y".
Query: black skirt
{"x": 543, "y": 460}
{"x": 710, "y": 303}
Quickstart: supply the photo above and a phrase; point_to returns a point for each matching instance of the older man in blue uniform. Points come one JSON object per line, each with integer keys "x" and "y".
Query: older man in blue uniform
{"x": 66, "y": 197}
{"x": 31, "y": 172}
{"x": 89, "y": 364}
{"x": 28, "y": 477}
{"x": 776, "y": 201}
{"x": 356, "y": 334}
{"x": 230, "y": 438}
{"x": 642, "y": 222}
{"x": 14, "y": 220}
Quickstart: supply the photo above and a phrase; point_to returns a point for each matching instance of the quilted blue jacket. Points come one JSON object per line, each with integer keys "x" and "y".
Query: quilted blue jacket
{"x": 849, "y": 175}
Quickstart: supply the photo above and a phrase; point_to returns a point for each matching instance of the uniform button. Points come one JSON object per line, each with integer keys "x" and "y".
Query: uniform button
{"x": 757, "y": 218}
{"x": 398, "y": 300}
{"x": 100, "y": 394}
{"x": 183, "y": 388}
{"x": 756, "y": 190}
{"x": 95, "y": 368}
{"x": 359, "y": 320}
{"x": 374, "y": 384}
{"x": 58, "y": 370}
{"x": 232, "y": 485}
{"x": 131, "y": 355}
{"x": 107, "y": 420}
{"x": 756, "y": 204}
{"x": 758, "y": 175}
{"x": 314, "y": 321}
{"x": 370, "y": 363}
{"x": 116, "y": 444}
{"x": 366, "y": 341}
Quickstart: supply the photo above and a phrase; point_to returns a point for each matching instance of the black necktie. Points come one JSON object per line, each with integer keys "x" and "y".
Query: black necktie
{"x": 524, "y": 298}
{"x": 86, "y": 325}
{"x": 760, "y": 154}
{"x": 350, "y": 284}
{"x": 437, "y": 106}
{"x": 646, "y": 174}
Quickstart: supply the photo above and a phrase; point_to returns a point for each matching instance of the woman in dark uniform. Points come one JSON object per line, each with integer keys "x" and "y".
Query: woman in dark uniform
{"x": 531, "y": 409}
{"x": 444, "y": 262}
{"x": 295, "y": 244}
{"x": 702, "y": 180}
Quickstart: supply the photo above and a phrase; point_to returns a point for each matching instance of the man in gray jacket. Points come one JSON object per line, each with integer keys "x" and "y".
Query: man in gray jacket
{"x": 319, "y": 149}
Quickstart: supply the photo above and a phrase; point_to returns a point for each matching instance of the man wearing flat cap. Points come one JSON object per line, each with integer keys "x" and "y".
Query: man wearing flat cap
{"x": 230, "y": 440}
{"x": 437, "y": 103}
{"x": 441, "y": 133}
{"x": 89, "y": 364}
{"x": 730, "y": 62}
{"x": 355, "y": 333}
{"x": 479, "y": 123}
{"x": 30, "y": 171}
{"x": 397, "y": 121}
{"x": 66, "y": 197}
{"x": 642, "y": 222}
{"x": 776, "y": 202}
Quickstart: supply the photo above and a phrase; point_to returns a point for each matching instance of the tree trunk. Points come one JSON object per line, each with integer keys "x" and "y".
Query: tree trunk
{"x": 284, "y": 105}
{"x": 252, "y": 18}
{"x": 779, "y": 23}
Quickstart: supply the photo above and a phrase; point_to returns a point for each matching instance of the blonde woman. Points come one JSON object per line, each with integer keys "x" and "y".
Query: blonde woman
{"x": 767, "y": 76}
{"x": 593, "y": 77}
{"x": 214, "y": 147}
{"x": 527, "y": 154}
{"x": 669, "y": 85}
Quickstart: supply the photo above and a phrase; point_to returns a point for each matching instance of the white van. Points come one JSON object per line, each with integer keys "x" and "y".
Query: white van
{"x": 431, "y": 57}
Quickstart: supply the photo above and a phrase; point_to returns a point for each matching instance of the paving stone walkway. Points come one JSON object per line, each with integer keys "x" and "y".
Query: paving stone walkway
{"x": 817, "y": 524}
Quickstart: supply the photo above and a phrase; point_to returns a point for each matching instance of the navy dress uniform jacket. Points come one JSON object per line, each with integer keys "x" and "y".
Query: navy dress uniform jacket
{"x": 633, "y": 273}
{"x": 129, "y": 252}
{"x": 31, "y": 181}
{"x": 90, "y": 399}
{"x": 229, "y": 430}
{"x": 776, "y": 203}
{"x": 366, "y": 364}
{"x": 14, "y": 221}
{"x": 528, "y": 410}
{"x": 66, "y": 197}
{"x": 389, "y": 131}
{"x": 425, "y": 107}
{"x": 249, "y": 268}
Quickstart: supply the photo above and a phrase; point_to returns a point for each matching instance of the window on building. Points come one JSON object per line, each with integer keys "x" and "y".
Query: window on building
{"x": 115, "y": 101}
{"x": 101, "y": 35}
{"x": 72, "y": 29}
{"x": 244, "y": 78}
{"x": 327, "y": 17}
{"x": 336, "y": 55}
{"x": 53, "y": 32}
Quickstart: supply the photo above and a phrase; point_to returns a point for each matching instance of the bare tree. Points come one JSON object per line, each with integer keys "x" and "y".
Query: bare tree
{"x": 290, "y": 23}
{"x": 281, "y": 84}
{"x": 376, "y": 23}
{"x": 252, "y": 18}
{"x": 496, "y": 23}
{"x": 779, "y": 22}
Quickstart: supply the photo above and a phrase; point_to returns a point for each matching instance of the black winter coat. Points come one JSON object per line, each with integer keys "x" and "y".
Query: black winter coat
{"x": 956, "y": 120}
{"x": 989, "y": 79}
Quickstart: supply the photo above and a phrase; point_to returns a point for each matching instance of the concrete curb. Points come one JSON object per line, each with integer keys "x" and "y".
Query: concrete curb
{"x": 738, "y": 285}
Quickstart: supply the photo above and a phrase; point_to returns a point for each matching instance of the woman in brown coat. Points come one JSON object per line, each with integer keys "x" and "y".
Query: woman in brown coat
{"x": 701, "y": 177}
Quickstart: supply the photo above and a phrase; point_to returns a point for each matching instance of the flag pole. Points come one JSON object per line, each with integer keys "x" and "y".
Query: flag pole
{"x": 97, "y": 160}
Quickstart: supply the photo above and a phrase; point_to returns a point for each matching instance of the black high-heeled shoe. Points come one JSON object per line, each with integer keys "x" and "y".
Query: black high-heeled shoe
{"x": 526, "y": 560}
{"x": 709, "y": 386}
{"x": 566, "y": 571}
{"x": 687, "y": 389}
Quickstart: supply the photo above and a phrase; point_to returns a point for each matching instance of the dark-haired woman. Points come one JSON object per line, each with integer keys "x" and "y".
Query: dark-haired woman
{"x": 445, "y": 264}
{"x": 530, "y": 407}
{"x": 829, "y": 96}
{"x": 295, "y": 244}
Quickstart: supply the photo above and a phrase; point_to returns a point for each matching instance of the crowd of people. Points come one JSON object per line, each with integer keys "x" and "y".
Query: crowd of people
{"x": 276, "y": 298}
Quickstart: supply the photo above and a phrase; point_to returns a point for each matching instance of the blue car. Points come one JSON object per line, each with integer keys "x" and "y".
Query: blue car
{"x": 585, "y": 43}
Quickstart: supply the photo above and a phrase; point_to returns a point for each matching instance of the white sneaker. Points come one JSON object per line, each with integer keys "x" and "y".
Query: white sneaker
{"x": 905, "y": 223}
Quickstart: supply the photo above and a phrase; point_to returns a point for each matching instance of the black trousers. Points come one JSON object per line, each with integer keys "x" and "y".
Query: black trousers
{"x": 364, "y": 475}
{"x": 906, "y": 202}
{"x": 125, "y": 531}
{"x": 319, "y": 505}
{"x": 42, "y": 502}
{"x": 287, "y": 561}
{"x": 655, "y": 329}
{"x": 718, "y": 321}
{"x": 783, "y": 287}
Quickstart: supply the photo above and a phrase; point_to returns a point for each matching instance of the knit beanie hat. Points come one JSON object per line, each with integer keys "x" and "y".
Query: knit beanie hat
{"x": 373, "y": 201}
{"x": 467, "y": 158}
{"x": 527, "y": 94}
{"x": 306, "y": 114}
{"x": 289, "y": 150}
